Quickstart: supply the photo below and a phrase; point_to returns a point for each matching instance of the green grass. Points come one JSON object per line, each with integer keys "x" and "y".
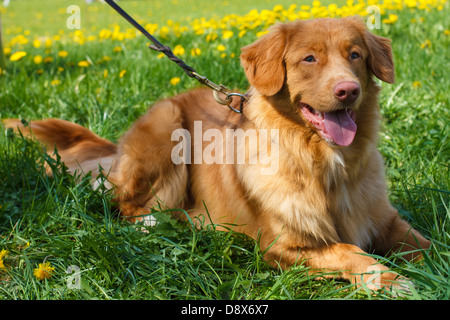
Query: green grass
{"x": 67, "y": 223}
{"x": 98, "y": 16}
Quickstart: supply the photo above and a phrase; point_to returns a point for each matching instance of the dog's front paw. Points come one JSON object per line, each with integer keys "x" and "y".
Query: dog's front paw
{"x": 378, "y": 277}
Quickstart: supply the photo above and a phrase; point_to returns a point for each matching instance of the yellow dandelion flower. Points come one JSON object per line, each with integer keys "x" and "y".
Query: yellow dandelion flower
{"x": 425, "y": 44}
{"x": 63, "y": 53}
{"x": 332, "y": 7}
{"x": 175, "y": 81}
{"x": 416, "y": 84}
{"x": 106, "y": 58}
{"x": 304, "y": 15}
{"x": 44, "y": 271}
{"x": 122, "y": 73}
{"x": 447, "y": 32}
{"x": 37, "y": 59}
{"x": 221, "y": 47}
{"x": 36, "y": 43}
{"x": 117, "y": 49}
{"x": 16, "y": 56}
{"x": 277, "y": 8}
{"x": 48, "y": 43}
{"x": 7, "y": 51}
{"x": 3, "y": 253}
{"x": 104, "y": 34}
{"x": 83, "y": 64}
{"x": 195, "y": 52}
{"x": 391, "y": 19}
{"x": 160, "y": 55}
{"x": 163, "y": 32}
{"x": 211, "y": 37}
{"x": 178, "y": 50}
{"x": 261, "y": 33}
{"x": 55, "y": 82}
{"x": 20, "y": 39}
{"x": 227, "y": 34}
{"x": 105, "y": 73}
{"x": 60, "y": 69}
{"x": 199, "y": 31}
{"x": 411, "y": 3}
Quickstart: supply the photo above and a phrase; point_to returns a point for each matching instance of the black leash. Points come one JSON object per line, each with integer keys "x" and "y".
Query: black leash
{"x": 157, "y": 46}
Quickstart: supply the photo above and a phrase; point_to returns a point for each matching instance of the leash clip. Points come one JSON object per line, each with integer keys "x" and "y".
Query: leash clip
{"x": 241, "y": 104}
{"x": 217, "y": 89}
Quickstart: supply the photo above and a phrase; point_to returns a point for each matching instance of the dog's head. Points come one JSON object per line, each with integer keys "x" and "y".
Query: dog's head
{"x": 319, "y": 70}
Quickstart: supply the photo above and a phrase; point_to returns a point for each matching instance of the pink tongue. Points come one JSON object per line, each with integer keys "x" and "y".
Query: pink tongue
{"x": 340, "y": 127}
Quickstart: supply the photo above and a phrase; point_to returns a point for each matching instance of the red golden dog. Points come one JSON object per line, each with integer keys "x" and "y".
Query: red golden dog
{"x": 313, "y": 104}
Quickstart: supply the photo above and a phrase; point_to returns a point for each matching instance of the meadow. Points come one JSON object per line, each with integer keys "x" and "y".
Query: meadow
{"x": 59, "y": 239}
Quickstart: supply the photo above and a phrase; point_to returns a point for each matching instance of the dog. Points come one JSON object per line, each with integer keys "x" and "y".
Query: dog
{"x": 325, "y": 204}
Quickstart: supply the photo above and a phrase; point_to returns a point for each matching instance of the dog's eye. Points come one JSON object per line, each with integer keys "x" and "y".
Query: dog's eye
{"x": 310, "y": 59}
{"x": 354, "y": 55}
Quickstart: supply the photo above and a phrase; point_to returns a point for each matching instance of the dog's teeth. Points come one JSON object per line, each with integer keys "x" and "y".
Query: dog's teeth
{"x": 318, "y": 114}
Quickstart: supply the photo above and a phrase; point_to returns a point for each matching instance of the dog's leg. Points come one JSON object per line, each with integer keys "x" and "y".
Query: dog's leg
{"x": 347, "y": 261}
{"x": 399, "y": 236}
{"x": 145, "y": 174}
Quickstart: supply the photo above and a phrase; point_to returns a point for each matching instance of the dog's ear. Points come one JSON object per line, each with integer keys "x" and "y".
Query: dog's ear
{"x": 380, "y": 57}
{"x": 263, "y": 61}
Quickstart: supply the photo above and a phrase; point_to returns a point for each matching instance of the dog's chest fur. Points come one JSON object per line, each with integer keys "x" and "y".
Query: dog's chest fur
{"x": 319, "y": 202}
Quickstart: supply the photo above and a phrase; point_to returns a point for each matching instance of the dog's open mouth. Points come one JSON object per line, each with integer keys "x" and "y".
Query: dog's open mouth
{"x": 338, "y": 127}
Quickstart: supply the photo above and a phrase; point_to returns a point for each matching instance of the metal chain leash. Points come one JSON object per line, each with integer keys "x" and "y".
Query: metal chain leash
{"x": 157, "y": 46}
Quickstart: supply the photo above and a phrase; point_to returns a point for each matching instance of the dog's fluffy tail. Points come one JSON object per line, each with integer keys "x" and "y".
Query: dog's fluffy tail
{"x": 80, "y": 149}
